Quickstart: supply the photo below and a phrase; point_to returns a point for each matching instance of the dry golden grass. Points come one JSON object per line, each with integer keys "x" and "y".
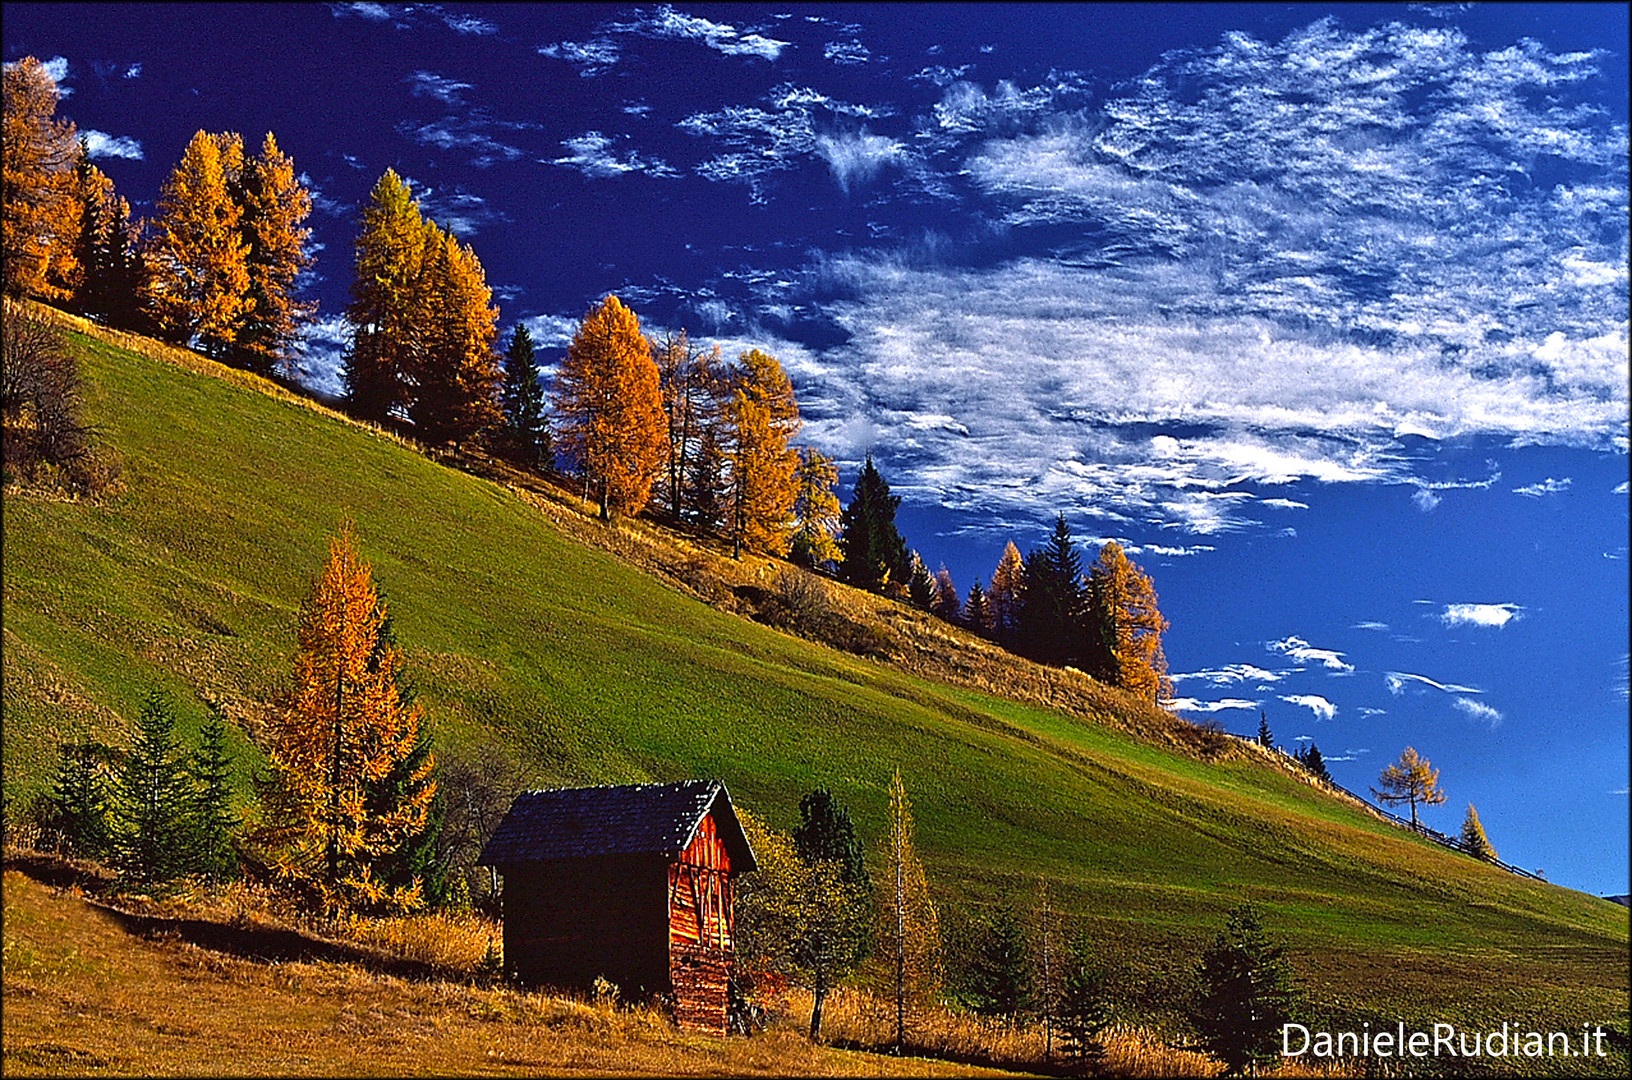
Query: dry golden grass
{"x": 82, "y": 994}
{"x": 442, "y": 939}
{"x": 857, "y": 1018}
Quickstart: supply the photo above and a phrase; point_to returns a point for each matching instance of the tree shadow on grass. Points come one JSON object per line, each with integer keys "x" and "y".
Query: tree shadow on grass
{"x": 251, "y": 941}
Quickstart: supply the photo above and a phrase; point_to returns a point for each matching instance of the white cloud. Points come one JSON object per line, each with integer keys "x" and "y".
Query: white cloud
{"x": 1283, "y": 504}
{"x": 1493, "y": 615}
{"x": 858, "y": 157}
{"x": 592, "y": 57}
{"x": 1397, "y": 680}
{"x": 1371, "y": 282}
{"x": 1193, "y": 706}
{"x": 1548, "y": 486}
{"x": 1323, "y": 709}
{"x": 461, "y": 131}
{"x": 723, "y": 37}
{"x": 1233, "y": 674}
{"x": 443, "y": 89}
{"x": 1299, "y": 649}
{"x": 99, "y": 144}
{"x": 846, "y": 53}
{"x": 1478, "y": 710}
{"x": 1371, "y": 625}
{"x": 592, "y": 154}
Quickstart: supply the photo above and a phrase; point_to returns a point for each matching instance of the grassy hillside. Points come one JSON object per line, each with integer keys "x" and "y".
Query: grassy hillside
{"x": 586, "y": 670}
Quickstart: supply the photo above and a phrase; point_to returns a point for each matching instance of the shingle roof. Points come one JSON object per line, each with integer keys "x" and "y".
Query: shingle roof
{"x": 570, "y": 823}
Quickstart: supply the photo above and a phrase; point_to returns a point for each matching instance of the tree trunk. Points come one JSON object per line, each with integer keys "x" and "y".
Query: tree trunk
{"x": 819, "y": 995}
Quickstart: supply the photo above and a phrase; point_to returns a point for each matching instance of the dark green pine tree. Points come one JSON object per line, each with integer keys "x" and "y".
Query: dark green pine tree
{"x": 920, "y": 584}
{"x": 154, "y": 796}
{"x": 977, "y": 612}
{"x": 211, "y": 820}
{"x": 526, "y": 432}
{"x": 77, "y": 809}
{"x": 825, "y": 831}
{"x": 998, "y": 974}
{"x": 1099, "y": 632}
{"x": 1311, "y": 760}
{"x": 88, "y": 241}
{"x": 119, "y": 292}
{"x": 1265, "y": 739}
{"x": 1086, "y": 1007}
{"x": 1054, "y": 606}
{"x": 873, "y": 552}
{"x": 1247, "y": 992}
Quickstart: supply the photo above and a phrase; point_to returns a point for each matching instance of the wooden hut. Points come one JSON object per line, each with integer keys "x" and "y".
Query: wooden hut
{"x": 629, "y": 883}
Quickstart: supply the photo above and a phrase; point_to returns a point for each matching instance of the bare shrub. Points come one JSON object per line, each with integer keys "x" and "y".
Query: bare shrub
{"x": 45, "y": 440}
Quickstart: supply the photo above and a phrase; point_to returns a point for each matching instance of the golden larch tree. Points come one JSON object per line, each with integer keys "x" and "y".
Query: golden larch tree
{"x": 1003, "y": 598}
{"x": 761, "y": 418}
{"x": 1410, "y": 780}
{"x": 816, "y": 510}
{"x": 1473, "y": 839}
{"x": 344, "y": 729}
{"x": 1125, "y": 601}
{"x": 455, "y": 372}
{"x": 382, "y": 311}
{"x": 609, "y": 408}
{"x": 908, "y": 933}
{"x": 37, "y": 159}
{"x": 198, "y": 263}
{"x": 275, "y": 205}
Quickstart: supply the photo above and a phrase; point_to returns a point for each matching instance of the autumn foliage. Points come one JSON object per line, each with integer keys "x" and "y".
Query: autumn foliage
{"x": 345, "y": 729}
{"x": 41, "y": 215}
{"x": 609, "y": 410}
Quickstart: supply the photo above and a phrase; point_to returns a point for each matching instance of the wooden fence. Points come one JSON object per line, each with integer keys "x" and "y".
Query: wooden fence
{"x": 1389, "y": 816}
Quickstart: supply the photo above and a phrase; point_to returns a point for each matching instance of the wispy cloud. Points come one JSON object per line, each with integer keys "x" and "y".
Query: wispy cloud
{"x": 1398, "y": 681}
{"x": 1233, "y": 674}
{"x": 465, "y": 131}
{"x": 1548, "y": 486}
{"x": 1296, "y": 249}
{"x": 405, "y": 16}
{"x": 99, "y": 144}
{"x": 1192, "y": 705}
{"x": 460, "y": 212}
{"x": 1371, "y": 625}
{"x": 1323, "y": 709}
{"x": 1299, "y": 649}
{"x": 858, "y": 157}
{"x": 591, "y": 154}
{"x": 1492, "y": 615}
{"x": 592, "y": 57}
{"x": 1478, "y": 710}
{"x": 666, "y": 22}
{"x": 429, "y": 84}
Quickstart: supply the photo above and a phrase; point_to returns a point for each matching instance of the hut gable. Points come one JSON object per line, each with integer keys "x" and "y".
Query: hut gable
{"x": 632, "y": 883}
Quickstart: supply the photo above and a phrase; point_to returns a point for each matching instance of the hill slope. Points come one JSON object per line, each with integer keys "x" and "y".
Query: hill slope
{"x": 586, "y": 670}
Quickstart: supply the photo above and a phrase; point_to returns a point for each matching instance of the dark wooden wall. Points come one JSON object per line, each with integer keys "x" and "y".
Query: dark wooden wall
{"x": 569, "y": 920}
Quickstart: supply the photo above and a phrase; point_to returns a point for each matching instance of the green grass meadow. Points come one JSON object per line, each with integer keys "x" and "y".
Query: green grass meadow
{"x": 588, "y": 671}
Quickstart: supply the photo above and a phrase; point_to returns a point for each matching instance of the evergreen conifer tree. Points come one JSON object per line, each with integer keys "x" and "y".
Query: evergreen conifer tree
{"x": 1086, "y": 1008}
{"x": 152, "y": 842}
{"x": 920, "y": 584}
{"x": 1247, "y": 993}
{"x": 77, "y": 809}
{"x": 1052, "y": 605}
{"x": 998, "y": 974}
{"x": 527, "y": 432}
{"x": 1311, "y": 760}
{"x": 977, "y": 611}
{"x": 873, "y": 552}
{"x": 1265, "y": 738}
{"x": 211, "y": 820}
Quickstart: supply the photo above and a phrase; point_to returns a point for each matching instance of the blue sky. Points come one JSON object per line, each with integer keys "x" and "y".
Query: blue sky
{"x": 1320, "y": 310}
